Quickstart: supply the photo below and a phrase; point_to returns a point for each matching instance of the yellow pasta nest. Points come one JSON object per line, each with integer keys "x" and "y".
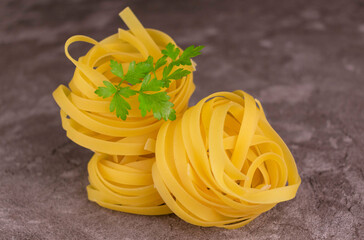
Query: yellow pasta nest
{"x": 120, "y": 170}
{"x": 124, "y": 183}
{"x": 222, "y": 164}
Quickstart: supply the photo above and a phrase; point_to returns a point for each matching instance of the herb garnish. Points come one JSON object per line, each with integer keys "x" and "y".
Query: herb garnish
{"x": 152, "y": 95}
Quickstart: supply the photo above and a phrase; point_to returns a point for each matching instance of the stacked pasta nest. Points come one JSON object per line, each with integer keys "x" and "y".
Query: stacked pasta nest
{"x": 219, "y": 164}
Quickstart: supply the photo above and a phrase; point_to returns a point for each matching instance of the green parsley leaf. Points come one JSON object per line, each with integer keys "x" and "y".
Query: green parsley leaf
{"x": 178, "y": 74}
{"x": 116, "y": 68}
{"x": 167, "y": 70}
{"x": 188, "y": 53}
{"x": 162, "y": 61}
{"x": 158, "y": 103}
{"x": 107, "y": 91}
{"x": 120, "y": 106}
{"x": 149, "y": 84}
{"x": 137, "y": 71}
{"x": 145, "y": 67}
{"x": 171, "y": 51}
{"x": 132, "y": 76}
{"x": 127, "y": 92}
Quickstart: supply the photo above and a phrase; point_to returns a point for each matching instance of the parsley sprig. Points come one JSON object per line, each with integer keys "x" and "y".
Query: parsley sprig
{"x": 152, "y": 94}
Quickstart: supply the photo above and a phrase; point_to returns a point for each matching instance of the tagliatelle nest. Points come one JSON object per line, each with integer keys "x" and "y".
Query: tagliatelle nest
{"x": 221, "y": 164}
{"x": 125, "y": 147}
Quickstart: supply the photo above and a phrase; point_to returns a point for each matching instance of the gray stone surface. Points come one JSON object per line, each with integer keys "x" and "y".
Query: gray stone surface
{"x": 303, "y": 59}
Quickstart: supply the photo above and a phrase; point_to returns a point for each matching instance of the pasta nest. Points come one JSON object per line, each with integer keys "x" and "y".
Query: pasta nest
{"x": 120, "y": 171}
{"x": 222, "y": 164}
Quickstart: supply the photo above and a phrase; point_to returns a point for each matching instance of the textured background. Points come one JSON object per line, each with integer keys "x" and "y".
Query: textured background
{"x": 303, "y": 59}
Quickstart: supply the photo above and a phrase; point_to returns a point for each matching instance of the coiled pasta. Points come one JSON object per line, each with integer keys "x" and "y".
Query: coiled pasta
{"x": 124, "y": 184}
{"x": 124, "y": 150}
{"x": 221, "y": 164}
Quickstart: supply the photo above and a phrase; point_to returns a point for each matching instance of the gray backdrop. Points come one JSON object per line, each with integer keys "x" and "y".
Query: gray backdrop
{"x": 303, "y": 59}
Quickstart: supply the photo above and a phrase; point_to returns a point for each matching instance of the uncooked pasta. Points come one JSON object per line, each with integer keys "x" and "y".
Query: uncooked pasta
{"x": 222, "y": 164}
{"x": 120, "y": 171}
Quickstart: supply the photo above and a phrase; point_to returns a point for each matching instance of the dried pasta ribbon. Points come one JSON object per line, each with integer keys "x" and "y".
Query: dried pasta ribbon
{"x": 89, "y": 123}
{"x": 221, "y": 164}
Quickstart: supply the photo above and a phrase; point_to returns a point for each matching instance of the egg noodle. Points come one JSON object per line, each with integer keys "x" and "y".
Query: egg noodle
{"x": 219, "y": 164}
{"x": 120, "y": 171}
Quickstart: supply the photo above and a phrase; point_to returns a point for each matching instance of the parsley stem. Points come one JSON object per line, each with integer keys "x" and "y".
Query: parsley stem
{"x": 122, "y": 80}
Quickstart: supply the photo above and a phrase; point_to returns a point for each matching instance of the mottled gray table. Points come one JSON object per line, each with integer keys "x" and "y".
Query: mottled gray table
{"x": 303, "y": 59}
